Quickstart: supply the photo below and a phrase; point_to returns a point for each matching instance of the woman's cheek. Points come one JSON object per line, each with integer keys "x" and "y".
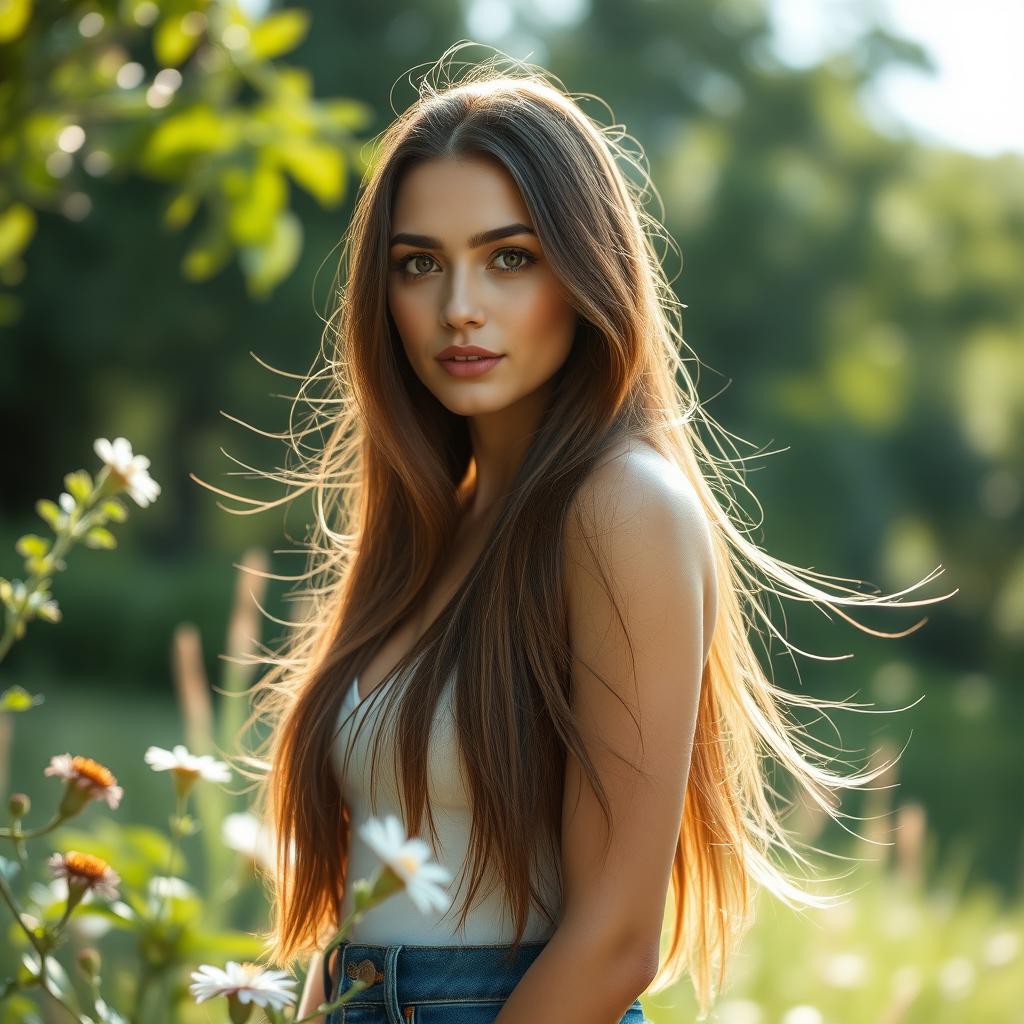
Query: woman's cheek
{"x": 550, "y": 322}
{"x": 408, "y": 320}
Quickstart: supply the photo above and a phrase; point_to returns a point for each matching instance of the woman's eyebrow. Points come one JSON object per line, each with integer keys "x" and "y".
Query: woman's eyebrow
{"x": 481, "y": 238}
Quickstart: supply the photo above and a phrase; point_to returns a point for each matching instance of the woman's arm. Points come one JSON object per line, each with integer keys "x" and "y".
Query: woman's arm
{"x": 653, "y": 549}
{"x": 313, "y": 994}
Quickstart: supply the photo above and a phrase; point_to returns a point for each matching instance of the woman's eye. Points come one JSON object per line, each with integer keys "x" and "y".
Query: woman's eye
{"x": 520, "y": 259}
{"x": 515, "y": 261}
{"x": 414, "y": 259}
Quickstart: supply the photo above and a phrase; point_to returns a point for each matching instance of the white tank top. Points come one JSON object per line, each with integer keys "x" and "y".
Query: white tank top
{"x": 398, "y": 919}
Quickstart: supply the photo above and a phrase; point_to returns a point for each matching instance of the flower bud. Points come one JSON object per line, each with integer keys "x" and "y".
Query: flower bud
{"x": 89, "y": 962}
{"x": 19, "y": 805}
{"x": 237, "y": 1010}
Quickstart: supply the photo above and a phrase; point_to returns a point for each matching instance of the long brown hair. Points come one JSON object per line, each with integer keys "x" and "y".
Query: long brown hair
{"x": 385, "y": 476}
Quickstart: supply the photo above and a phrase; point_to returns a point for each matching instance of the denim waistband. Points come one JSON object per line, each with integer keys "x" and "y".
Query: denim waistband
{"x": 401, "y": 973}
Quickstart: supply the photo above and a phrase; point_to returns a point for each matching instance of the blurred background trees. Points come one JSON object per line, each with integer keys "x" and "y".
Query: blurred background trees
{"x": 855, "y": 296}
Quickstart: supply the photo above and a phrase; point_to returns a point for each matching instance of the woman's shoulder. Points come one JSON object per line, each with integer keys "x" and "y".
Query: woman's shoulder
{"x": 637, "y": 495}
{"x": 633, "y": 475}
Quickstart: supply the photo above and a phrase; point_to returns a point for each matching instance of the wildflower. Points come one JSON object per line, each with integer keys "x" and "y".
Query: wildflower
{"x": 246, "y": 834}
{"x": 245, "y": 985}
{"x": 84, "y": 873}
{"x": 186, "y": 767}
{"x": 408, "y": 864}
{"x": 131, "y": 471}
{"x": 86, "y": 780}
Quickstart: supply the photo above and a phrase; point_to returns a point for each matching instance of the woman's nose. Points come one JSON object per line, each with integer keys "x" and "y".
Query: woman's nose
{"x": 462, "y": 301}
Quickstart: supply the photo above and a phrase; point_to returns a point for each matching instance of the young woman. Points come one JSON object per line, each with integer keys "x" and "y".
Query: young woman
{"x": 527, "y": 633}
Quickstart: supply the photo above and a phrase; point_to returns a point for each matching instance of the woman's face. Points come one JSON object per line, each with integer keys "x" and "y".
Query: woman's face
{"x": 451, "y": 286}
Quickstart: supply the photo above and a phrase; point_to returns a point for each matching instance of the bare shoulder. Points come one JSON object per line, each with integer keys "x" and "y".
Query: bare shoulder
{"x": 639, "y": 500}
{"x": 641, "y": 614}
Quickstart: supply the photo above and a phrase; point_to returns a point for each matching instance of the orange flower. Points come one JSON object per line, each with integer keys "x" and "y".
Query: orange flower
{"x": 85, "y": 872}
{"x": 86, "y": 780}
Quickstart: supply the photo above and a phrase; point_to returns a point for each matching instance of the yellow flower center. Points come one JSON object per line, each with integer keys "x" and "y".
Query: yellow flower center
{"x": 92, "y": 770}
{"x": 85, "y": 865}
{"x": 250, "y": 970}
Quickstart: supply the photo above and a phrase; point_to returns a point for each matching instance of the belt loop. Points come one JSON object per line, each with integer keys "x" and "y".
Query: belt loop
{"x": 391, "y": 984}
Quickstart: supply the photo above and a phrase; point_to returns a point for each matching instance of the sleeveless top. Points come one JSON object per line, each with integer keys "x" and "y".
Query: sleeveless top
{"x": 398, "y": 919}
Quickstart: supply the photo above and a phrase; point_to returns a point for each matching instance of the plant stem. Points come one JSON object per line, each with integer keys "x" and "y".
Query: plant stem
{"x": 179, "y": 812}
{"x": 32, "y": 833}
{"x": 44, "y": 984}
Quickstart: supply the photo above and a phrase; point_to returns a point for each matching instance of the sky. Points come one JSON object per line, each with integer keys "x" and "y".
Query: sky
{"x": 972, "y": 102}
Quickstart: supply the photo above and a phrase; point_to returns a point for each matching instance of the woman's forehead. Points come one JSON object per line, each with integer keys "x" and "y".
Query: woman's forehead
{"x": 454, "y": 198}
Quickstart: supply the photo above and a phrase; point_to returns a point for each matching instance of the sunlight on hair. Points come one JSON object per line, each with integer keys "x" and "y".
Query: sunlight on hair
{"x": 383, "y": 463}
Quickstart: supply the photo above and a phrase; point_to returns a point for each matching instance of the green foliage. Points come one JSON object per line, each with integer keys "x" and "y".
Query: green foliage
{"x": 195, "y": 129}
{"x": 139, "y": 852}
{"x": 85, "y": 508}
{"x": 893, "y": 950}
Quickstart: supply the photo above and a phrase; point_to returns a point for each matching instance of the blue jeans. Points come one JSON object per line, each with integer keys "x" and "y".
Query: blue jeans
{"x": 430, "y": 984}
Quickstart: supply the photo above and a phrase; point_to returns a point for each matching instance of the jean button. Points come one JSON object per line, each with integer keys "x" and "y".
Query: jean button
{"x": 365, "y": 971}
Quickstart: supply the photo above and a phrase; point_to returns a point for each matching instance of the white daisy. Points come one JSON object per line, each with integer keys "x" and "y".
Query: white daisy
{"x": 185, "y": 767}
{"x": 86, "y": 780}
{"x": 246, "y": 834}
{"x": 244, "y": 983}
{"x": 130, "y": 470}
{"x": 409, "y": 859}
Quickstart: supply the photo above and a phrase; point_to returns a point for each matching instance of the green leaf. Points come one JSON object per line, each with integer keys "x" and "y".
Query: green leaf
{"x": 266, "y": 265}
{"x": 290, "y": 84}
{"x": 172, "y": 42}
{"x": 39, "y": 566}
{"x": 14, "y": 16}
{"x": 19, "y": 1009}
{"x": 181, "y": 209}
{"x": 255, "y": 199}
{"x": 49, "y": 611}
{"x": 113, "y": 509}
{"x": 100, "y": 537}
{"x": 55, "y": 973}
{"x": 17, "y": 698}
{"x": 50, "y": 512}
{"x": 198, "y": 130}
{"x": 17, "y": 222}
{"x": 318, "y": 167}
{"x": 79, "y": 484}
{"x": 348, "y": 114}
{"x": 278, "y": 33}
{"x": 208, "y": 255}
{"x": 32, "y": 546}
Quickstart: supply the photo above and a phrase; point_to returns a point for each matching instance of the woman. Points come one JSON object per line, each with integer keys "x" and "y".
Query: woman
{"x": 526, "y": 568}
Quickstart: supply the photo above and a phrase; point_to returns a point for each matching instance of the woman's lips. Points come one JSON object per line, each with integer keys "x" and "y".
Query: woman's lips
{"x": 469, "y": 367}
